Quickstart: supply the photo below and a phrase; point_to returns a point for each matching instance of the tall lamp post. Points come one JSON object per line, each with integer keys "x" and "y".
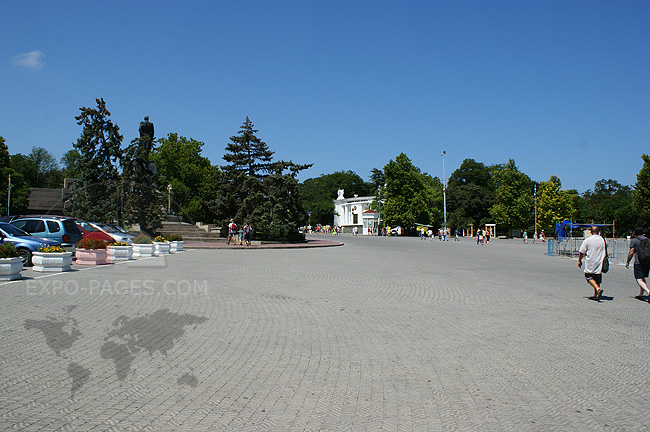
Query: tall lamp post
{"x": 444, "y": 194}
{"x": 379, "y": 204}
{"x": 169, "y": 199}
{"x": 535, "y": 214}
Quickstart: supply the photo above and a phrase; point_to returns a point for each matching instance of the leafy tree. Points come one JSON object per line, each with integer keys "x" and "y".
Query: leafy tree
{"x": 40, "y": 168}
{"x": 95, "y": 191}
{"x": 641, "y": 194}
{"x": 513, "y": 206}
{"x": 319, "y": 193}
{"x": 71, "y": 164}
{"x": 608, "y": 202}
{"x": 142, "y": 200}
{"x": 470, "y": 194}
{"x": 553, "y": 204}
{"x": 19, "y": 186}
{"x": 410, "y": 196}
{"x": 192, "y": 177}
{"x": 377, "y": 179}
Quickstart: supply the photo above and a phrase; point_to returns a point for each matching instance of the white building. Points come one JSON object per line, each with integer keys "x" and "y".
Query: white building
{"x": 355, "y": 212}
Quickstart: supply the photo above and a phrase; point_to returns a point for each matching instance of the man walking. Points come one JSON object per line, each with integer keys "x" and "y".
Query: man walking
{"x": 640, "y": 250}
{"x": 232, "y": 232}
{"x": 593, "y": 248}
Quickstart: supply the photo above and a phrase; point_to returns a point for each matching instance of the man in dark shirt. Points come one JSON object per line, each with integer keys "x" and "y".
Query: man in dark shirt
{"x": 641, "y": 268}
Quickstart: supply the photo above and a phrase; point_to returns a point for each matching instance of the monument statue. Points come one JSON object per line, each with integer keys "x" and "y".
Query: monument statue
{"x": 146, "y": 134}
{"x": 340, "y": 197}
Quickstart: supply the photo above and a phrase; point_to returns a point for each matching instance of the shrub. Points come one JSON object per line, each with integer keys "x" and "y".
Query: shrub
{"x": 52, "y": 249}
{"x": 173, "y": 237}
{"x": 142, "y": 239}
{"x": 8, "y": 250}
{"x": 91, "y": 243}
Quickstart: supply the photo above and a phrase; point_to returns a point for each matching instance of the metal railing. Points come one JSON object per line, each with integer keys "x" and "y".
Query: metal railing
{"x": 617, "y": 249}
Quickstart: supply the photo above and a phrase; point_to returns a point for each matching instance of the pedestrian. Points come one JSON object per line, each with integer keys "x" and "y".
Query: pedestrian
{"x": 247, "y": 234}
{"x": 479, "y": 236}
{"x": 487, "y": 236}
{"x": 240, "y": 234}
{"x": 456, "y": 235}
{"x": 541, "y": 236}
{"x": 640, "y": 251}
{"x": 232, "y": 231}
{"x": 422, "y": 233}
{"x": 525, "y": 236}
{"x": 593, "y": 249}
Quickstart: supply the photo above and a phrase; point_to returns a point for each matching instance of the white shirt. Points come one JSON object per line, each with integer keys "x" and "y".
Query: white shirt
{"x": 594, "y": 250}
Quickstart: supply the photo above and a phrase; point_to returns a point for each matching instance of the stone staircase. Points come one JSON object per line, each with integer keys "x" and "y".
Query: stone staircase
{"x": 191, "y": 233}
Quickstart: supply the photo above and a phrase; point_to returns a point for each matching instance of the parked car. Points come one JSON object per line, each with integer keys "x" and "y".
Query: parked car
{"x": 89, "y": 231}
{"x": 58, "y": 228}
{"x": 118, "y": 234}
{"x": 25, "y": 244}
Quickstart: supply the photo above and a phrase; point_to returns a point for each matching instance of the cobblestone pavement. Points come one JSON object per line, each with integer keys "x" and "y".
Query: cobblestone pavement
{"x": 391, "y": 334}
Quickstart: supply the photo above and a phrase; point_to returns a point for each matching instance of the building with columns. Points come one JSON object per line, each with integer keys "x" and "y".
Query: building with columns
{"x": 355, "y": 212}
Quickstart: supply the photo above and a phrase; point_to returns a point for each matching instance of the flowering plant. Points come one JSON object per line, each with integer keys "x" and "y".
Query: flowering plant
{"x": 8, "y": 250}
{"x": 52, "y": 249}
{"x": 119, "y": 243}
{"x": 160, "y": 239}
{"x": 90, "y": 243}
{"x": 173, "y": 237}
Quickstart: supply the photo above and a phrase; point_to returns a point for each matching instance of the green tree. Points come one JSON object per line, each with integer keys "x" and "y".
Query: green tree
{"x": 410, "y": 196}
{"x": 513, "y": 206}
{"x": 39, "y": 168}
{"x": 609, "y": 202}
{"x": 71, "y": 164}
{"x": 641, "y": 194}
{"x": 193, "y": 179}
{"x": 319, "y": 193}
{"x": 19, "y": 187}
{"x": 470, "y": 194}
{"x": 95, "y": 191}
{"x": 377, "y": 179}
{"x": 553, "y": 204}
{"x": 139, "y": 186}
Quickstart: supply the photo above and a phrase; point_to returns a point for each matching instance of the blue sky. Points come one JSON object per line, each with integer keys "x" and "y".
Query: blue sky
{"x": 563, "y": 87}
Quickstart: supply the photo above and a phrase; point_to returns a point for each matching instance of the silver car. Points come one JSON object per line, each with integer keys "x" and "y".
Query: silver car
{"x": 118, "y": 233}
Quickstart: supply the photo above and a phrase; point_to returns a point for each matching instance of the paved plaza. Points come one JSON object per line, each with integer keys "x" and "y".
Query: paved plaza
{"x": 380, "y": 334}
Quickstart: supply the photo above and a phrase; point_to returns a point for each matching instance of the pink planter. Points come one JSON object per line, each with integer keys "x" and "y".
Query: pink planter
{"x": 91, "y": 256}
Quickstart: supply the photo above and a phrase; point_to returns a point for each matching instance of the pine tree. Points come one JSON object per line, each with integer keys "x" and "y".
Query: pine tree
{"x": 95, "y": 191}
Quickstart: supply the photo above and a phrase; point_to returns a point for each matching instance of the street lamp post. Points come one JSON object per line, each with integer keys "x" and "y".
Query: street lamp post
{"x": 535, "y": 214}
{"x": 169, "y": 199}
{"x": 379, "y": 204}
{"x": 444, "y": 194}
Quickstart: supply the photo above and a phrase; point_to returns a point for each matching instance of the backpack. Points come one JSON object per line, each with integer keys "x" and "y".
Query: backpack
{"x": 643, "y": 250}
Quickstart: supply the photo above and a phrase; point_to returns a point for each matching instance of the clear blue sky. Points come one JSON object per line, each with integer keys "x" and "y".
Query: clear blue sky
{"x": 563, "y": 87}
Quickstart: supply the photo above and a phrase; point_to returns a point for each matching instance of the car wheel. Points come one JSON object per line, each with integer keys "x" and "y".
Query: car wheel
{"x": 25, "y": 256}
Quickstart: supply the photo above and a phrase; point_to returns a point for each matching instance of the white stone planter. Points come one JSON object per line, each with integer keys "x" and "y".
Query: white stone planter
{"x": 162, "y": 248}
{"x": 119, "y": 253}
{"x": 51, "y": 261}
{"x": 91, "y": 256}
{"x": 143, "y": 250}
{"x": 176, "y": 246}
{"x": 10, "y": 268}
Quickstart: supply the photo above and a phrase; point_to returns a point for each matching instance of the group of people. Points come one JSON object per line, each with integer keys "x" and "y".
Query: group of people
{"x": 243, "y": 234}
{"x": 542, "y": 237}
{"x": 483, "y": 236}
{"x": 593, "y": 251}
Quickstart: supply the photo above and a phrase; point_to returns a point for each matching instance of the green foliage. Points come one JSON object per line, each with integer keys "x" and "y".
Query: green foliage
{"x": 91, "y": 243}
{"x": 319, "y": 193}
{"x": 553, "y": 204}
{"x": 5, "y": 159}
{"x": 470, "y": 194}
{"x": 143, "y": 202}
{"x": 19, "y": 187}
{"x": 192, "y": 177}
{"x": 142, "y": 239}
{"x": 8, "y": 250}
{"x": 608, "y": 202}
{"x": 641, "y": 194}
{"x": 95, "y": 193}
{"x": 411, "y": 197}
{"x": 173, "y": 237}
{"x": 254, "y": 189}
{"x": 71, "y": 164}
{"x": 513, "y": 206}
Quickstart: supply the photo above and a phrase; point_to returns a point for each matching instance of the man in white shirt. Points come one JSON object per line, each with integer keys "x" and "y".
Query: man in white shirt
{"x": 593, "y": 248}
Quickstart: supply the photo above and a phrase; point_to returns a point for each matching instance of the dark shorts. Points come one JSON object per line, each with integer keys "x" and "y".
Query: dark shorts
{"x": 595, "y": 277}
{"x": 641, "y": 270}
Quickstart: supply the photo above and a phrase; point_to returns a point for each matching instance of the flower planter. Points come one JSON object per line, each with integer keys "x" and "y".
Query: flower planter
{"x": 176, "y": 246}
{"x": 51, "y": 261}
{"x": 10, "y": 268}
{"x": 143, "y": 250}
{"x": 91, "y": 256}
{"x": 119, "y": 253}
{"x": 162, "y": 248}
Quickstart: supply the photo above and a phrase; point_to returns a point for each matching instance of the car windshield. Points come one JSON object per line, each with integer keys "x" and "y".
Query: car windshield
{"x": 108, "y": 228}
{"x": 87, "y": 226}
{"x": 120, "y": 229}
{"x": 12, "y": 230}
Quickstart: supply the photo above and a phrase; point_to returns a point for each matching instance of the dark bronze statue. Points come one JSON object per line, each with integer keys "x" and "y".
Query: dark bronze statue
{"x": 146, "y": 134}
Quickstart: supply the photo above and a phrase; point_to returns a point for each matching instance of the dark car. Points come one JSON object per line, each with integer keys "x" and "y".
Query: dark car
{"x": 57, "y": 228}
{"x": 25, "y": 244}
